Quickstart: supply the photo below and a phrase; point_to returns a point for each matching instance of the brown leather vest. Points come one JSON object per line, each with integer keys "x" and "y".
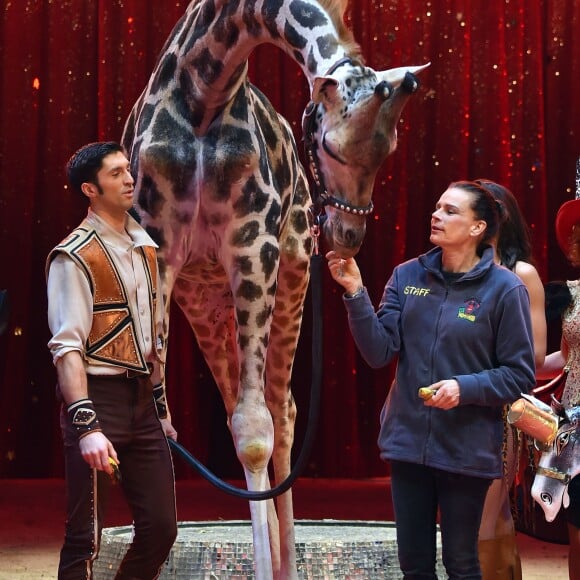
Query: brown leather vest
{"x": 112, "y": 339}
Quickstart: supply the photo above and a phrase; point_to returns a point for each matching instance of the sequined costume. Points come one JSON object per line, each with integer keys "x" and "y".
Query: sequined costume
{"x": 571, "y": 334}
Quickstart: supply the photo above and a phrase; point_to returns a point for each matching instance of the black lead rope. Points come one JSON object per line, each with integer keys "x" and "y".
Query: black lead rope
{"x": 316, "y": 297}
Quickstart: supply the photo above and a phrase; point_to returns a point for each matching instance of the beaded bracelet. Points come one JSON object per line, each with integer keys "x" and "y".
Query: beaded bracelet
{"x": 83, "y": 417}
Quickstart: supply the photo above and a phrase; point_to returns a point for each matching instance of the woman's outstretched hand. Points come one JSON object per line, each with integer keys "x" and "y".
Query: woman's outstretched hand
{"x": 345, "y": 271}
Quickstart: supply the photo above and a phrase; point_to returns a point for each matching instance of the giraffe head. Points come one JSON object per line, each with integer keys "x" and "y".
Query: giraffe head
{"x": 350, "y": 127}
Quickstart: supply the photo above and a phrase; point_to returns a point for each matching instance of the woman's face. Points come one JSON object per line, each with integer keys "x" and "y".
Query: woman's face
{"x": 453, "y": 223}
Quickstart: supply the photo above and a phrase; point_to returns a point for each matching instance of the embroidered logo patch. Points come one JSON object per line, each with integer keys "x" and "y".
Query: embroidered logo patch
{"x": 468, "y": 311}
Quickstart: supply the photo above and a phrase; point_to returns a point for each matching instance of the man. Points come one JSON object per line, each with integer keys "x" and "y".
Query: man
{"x": 105, "y": 315}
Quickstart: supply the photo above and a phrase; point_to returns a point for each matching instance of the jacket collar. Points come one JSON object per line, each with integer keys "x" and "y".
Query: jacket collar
{"x": 431, "y": 261}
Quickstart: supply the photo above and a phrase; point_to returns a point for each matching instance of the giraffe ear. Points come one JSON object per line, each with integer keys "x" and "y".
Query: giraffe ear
{"x": 324, "y": 89}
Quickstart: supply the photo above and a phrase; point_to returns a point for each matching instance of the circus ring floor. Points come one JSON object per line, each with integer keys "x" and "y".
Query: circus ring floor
{"x": 32, "y": 519}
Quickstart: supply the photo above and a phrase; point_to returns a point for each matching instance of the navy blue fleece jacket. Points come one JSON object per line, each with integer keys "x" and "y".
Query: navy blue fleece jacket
{"x": 476, "y": 330}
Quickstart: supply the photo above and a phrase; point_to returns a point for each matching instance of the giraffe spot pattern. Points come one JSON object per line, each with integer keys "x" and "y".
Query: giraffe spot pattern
{"x": 299, "y": 222}
{"x": 243, "y": 340}
{"x": 236, "y": 154}
{"x": 225, "y": 31}
{"x": 293, "y": 37}
{"x": 292, "y": 280}
{"x": 252, "y": 26}
{"x": 270, "y": 11}
{"x": 249, "y": 290}
{"x": 327, "y": 45}
{"x": 243, "y": 316}
{"x": 238, "y": 72}
{"x": 246, "y": 235}
{"x": 269, "y": 255}
{"x": 239, "y": 108}
{"x": 208, "y": 67}
{"x": 150, "y": 198}
{"x": 271, "y": 290}
{"x": 145, "y": 118}
{"x": 298, "y": 57}
{"x": 177, "y": 164}
{"x": 189, "y": 108}
{"x": 263, "y": 317}
{"x": 311, "y": 62}
{"x": 243, "y": 264}
{"x": 165, "y": 73}
{"x": 282, "y": 173}
{"x": 252, "y": 200}
{"x": 266, "y": 118}
{"x": 158, "y": 237}
{"x": 198, "y": 28}
{"x": 307, "y": 15}
{"x": 272, "y": 219}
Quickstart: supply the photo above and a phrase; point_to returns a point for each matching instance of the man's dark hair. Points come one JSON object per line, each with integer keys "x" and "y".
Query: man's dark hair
{"x": 85, "y": 163}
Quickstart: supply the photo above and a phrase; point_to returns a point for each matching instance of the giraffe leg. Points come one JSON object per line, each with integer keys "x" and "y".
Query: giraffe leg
{"x": 284, "y": 416}
{"x": 284, "y": 336}
{"x": 252, "y": 431}
{"x": 209, "y": 310}
{"x": 274, "y": 536}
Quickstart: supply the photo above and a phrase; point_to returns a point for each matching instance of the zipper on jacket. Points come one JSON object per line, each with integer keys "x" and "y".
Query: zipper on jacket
{"x": 431, "y": 358}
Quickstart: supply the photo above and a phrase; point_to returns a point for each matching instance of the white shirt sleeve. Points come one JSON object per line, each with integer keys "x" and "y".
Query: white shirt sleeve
{"x": 70, "y": 307}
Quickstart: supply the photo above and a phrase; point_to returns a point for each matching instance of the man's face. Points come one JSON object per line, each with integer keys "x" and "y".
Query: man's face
{"x": 115, "y": 186}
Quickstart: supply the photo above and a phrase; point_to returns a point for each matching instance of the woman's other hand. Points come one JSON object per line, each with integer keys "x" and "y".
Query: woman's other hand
{"x": 447, "y": 394}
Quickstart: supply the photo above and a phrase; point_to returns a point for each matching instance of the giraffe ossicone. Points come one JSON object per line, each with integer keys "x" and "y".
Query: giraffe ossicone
{"x": 221, "y": 188}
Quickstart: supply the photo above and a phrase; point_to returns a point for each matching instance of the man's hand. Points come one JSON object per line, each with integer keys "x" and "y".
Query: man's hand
{"x": 168, "y": 428}
{"x": 96, "y": 450}
{"x": 447, "y": 395}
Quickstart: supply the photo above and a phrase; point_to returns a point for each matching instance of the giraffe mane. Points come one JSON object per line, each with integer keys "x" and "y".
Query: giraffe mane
{"x": 336, "y": 10}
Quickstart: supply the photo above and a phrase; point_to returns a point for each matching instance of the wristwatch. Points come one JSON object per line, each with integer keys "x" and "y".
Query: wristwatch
{"x": 355, "y": 294}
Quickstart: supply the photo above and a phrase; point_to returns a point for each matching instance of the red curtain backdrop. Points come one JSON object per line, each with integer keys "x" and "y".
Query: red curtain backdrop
{"x": 499, "y": 101}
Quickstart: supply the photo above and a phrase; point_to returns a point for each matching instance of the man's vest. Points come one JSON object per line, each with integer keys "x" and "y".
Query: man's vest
{"x": 113, "y": 338}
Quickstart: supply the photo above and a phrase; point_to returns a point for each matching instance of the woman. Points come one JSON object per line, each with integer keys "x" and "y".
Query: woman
{"x": 513, "y": 249}
{"x": 568, "y": 235}
{"x": 498, "y": 553}
{"x": 460, "y": 325}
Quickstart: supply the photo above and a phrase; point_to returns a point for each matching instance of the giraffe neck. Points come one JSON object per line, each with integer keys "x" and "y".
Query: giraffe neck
{"x": 210, "y": 45}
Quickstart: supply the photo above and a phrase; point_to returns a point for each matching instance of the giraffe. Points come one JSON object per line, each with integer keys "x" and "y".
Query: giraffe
{"x": 221, "y": 188}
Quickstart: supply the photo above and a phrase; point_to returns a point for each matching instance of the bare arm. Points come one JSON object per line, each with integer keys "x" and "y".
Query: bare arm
{"x": 530, "y": 277}
{"x": 554, "y": 363}
{"x": 72, "y": 378}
